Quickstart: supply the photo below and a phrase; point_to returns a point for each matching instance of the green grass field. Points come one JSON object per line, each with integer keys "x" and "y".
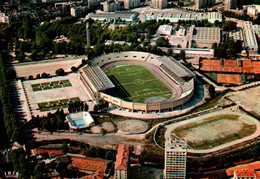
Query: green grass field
{"x": 51, "y": 85}
{"x": 138, "y": 82}
{"x": 51, "y": 105}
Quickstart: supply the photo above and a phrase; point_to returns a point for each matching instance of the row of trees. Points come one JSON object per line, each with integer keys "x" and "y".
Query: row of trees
{"x": 78, "y": 106}
{"x": 51, "y": 122}
{"x": 228, "y": 49}
{"x": 7, "y": 117}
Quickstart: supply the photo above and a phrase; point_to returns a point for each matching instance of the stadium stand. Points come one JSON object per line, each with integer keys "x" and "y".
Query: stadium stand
{"x": 96, "y": 80}
{"x": 177, "y": 77}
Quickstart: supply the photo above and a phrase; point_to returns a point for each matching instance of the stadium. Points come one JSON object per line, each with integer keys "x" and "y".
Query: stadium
{"x": 138, "y": 81}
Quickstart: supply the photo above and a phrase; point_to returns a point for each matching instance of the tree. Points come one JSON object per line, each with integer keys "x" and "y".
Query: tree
{"x": 21, "y": 56}
{"x": 212, "y": 91}
{"x": 229, "y": 25}
{"x": 182, "y": 54}
{"x": 60, "y": 72}
{"x": 163, "y": 42}
{"x": 44, "y": 75}
{"x": 38, "y": 171}
{"x": 11, "y": 74}
{"x": 169, "y": 52}
{"x": 74, "y": 69}
{"x": 30, "y": 77}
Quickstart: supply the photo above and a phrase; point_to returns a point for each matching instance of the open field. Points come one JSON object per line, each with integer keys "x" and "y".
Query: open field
{"x": 50, "y": 85}
{"x": 248, "y": 99}
{"x": 47, "y": 66}
{"x": 138, "y": 83}
{"x": 215, "y": 131}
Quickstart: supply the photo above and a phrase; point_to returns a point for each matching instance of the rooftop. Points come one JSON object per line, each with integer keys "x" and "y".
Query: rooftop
{"x": 122, "y": 157}
{"x": 176, "y": 145}
{"x": 229, "y": 79}
{"x": 51, "y": 151}
{"x": 89, "y": 164}
{"x": 246, "y": 170}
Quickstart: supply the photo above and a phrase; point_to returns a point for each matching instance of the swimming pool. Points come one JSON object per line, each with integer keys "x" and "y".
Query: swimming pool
{"x": 79, "y": 123}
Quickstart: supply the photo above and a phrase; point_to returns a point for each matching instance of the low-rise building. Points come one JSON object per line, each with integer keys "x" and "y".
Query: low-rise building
{"x": 246, "y": 171}
{"x": 80, "y": 120}
{"x": 122, "y": 162}
{"x": 4, "y": 18}
{"x": 249, "y": 34}
{"x": 60, "y": 39}
{"x": 203, "y": 37}
{"x": 94, "y": 167}
{"x": 164, "y": 30}
{"x": 252, "y": 10}
{"x": 124, "y": 16}
{"x": 175, "y": 16}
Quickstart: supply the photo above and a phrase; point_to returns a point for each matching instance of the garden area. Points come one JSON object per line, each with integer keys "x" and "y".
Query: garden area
{"x": 51, "y": 85}
{"x": 52, "y": 105}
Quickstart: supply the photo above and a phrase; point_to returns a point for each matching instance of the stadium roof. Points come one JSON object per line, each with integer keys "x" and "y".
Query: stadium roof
{"x": 99, "y": 79}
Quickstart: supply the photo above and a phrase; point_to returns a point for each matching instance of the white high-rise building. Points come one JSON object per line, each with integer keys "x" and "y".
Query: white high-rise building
{"x": 204, "y": 3}
{"x": 230, "y": 4}
{"x": 111, "y": 6}
{"x": 175, "y": 159}
{"x": 159, "y": 4}
{"x": 93, "y": 3}
{"x": 129, "y": 4}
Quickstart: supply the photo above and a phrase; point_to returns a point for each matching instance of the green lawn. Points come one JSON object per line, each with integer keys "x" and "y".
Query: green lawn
{"x": 138, "y": 82}
{"x": 51, "y": 105}
{"x": 51, "y": 85}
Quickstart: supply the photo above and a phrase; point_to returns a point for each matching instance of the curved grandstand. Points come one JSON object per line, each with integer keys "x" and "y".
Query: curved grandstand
{"x": 178, "y": 79}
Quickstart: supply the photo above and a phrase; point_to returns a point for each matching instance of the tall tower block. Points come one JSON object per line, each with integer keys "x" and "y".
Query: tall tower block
{"x": 87, "y": 34}
{"x": 175, "y": 159}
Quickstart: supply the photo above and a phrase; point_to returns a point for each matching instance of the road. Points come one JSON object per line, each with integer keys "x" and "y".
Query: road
{"x": 108, "y": 140}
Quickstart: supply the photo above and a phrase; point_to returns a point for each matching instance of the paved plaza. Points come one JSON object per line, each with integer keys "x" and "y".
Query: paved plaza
{"x": 76, "y": 90}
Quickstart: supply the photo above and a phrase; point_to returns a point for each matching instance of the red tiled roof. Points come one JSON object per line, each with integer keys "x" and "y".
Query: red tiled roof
{"x": 230, "y": 63}
{"x": 96, "y": 175}
{"x": 245, "y": 173}
{"x": 122, "y": 157}
{"x": 229, "y": 79}
{"x": 257, "y": 174}
{"x": 231, "y": 66}
{"x": 243, "y": 170}
{"x": 89, "y": 164}
{"x": 51, "y": 152}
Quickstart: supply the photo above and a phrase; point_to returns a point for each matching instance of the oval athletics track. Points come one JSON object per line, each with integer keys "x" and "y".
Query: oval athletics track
{"x": 175, "y": 89}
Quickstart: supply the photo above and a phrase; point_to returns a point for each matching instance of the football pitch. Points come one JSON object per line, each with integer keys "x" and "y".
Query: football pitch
{"x": 138, "y": 83}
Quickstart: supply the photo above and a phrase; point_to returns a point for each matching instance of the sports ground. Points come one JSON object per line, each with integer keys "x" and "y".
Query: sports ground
{"x": 137, "y": 83}
{"x": 210, "y": 132}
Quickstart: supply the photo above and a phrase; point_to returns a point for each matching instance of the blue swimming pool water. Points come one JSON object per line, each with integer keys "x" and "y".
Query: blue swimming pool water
{"x": 79, "y": 123}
